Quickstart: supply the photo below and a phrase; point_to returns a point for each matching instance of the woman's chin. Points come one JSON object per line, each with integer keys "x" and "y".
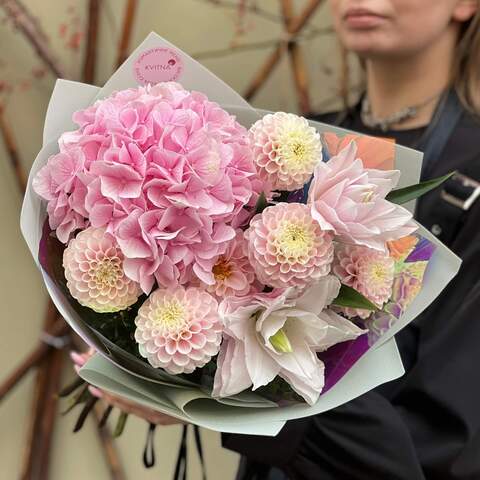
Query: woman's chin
{"x": 367, "y": 45}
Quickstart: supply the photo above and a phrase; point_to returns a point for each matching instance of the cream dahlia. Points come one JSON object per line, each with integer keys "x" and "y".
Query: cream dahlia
{"x": 368, "y": 271}
{"x": 178, "y": 329}
{"x": 287, "y": 247}
{"x": 93, "y": 264}
{"x": 286, "y": 150}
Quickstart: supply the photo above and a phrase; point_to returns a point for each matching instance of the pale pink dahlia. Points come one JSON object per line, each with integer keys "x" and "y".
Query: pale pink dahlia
{"x": 286, "y": 150}
{"x": 368, "y": 271}
{"x": 287, "y": 247}
{"x": 178, "y": 329}
{"x": 232, "y": 274}
{"x": 93, "y": 264}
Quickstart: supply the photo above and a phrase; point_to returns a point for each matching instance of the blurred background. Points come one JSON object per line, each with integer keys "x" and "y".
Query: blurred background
{"x": 279, "y": 54}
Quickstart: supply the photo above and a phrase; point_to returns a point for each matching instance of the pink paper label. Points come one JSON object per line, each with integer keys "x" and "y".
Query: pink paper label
{"x": 158, "y": 65}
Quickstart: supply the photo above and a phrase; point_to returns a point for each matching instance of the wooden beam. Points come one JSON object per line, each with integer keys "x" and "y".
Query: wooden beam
{"x": 88, "y": 75}
{"x": 109, "y": 449}
{"x": 106, "y": 440}
{"x": 40, "y": 430}
{"x": 128, "y": 20}
{"x": 36, "y": 458}
{"x": 49, "y": 413}
{"x": 296, "y": 26}
{"x": 33, "y": 359}
{"x": 12, "y": 151}
{"x": 296, "y": 59}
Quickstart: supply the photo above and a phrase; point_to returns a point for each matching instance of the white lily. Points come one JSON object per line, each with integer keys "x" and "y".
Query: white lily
{"x": 280, "y": 333}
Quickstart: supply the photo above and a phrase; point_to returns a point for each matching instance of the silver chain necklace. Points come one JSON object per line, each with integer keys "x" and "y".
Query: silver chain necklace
{"x": 385, "y": 123}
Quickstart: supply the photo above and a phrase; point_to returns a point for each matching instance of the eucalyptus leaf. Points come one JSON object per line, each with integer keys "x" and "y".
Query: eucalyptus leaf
{"x": 120, "y": 426}
{"x": 349, "y": 297}
{"x": 404, "y": 195}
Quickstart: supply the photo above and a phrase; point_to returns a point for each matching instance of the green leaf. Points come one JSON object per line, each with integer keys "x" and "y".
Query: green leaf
{"x": 349, "y": 297}
{"x": 119, "y": 427}
{"x": 261, "y": 204}
{"x": 71, "y": 387}
{"x": 404, "y": 195}
{"x": 80, "y": 397}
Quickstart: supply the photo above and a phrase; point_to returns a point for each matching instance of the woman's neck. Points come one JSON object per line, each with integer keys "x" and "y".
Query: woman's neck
{"x": 396, "y": 83}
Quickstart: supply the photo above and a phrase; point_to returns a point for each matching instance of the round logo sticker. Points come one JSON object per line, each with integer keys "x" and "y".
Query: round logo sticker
{"x": 158, "y": 65}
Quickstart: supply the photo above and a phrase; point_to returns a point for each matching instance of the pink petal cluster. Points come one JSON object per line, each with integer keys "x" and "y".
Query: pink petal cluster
{"x": 178, "y": 329}
{"x": 93, "y": 265}
{"x": 232, "y": 274}
{"x": 165, "y": 171}
{"x": 287, "y": 247}
{"x": 350, "y": 200}
{"x": 368, "y": 271}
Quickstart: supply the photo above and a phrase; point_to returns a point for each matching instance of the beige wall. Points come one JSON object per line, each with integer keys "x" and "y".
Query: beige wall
{"x": 194, "y": 26}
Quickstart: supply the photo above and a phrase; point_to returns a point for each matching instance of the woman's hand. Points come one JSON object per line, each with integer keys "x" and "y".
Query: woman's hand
{"x": 147, "y": 414}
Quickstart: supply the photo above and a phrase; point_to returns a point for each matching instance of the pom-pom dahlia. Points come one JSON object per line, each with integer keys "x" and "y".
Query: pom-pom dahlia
{"x": 368, "y": 271}
{"x": 93, "y": 264}
{"x": 178, "y": 329}
{"x": 286, "y": 150}
{"x": 287, "y": 247}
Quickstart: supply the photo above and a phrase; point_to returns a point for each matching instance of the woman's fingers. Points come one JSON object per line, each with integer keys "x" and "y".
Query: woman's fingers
{"x": 151, "y": 416}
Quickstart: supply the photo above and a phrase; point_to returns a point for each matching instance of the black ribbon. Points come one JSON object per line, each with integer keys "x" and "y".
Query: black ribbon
{"x": 198, "y": 444}
{"x": 181, "y": 467}
{"x": 149, "y": 451}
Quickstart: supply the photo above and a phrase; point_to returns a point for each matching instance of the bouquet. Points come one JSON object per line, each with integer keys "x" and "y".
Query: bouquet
{"x": 233, "y": 268}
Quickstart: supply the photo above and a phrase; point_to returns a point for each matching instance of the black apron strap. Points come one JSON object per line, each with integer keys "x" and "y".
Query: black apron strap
{"x": 198, "y": 444}
{"x": 444, "y": 122}
{"x": 149, "y": 451}
{"x": 458, "y": 194}
{"x": 181, "y": 466}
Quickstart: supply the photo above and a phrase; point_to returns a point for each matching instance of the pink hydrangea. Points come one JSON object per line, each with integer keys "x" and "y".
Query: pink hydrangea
{"x": 178, "y": 329}
{"x": 350, "y": 200}
{"x": 287, "y": 247}
{"x": 93, "y": 265}
{"x": 368, "y": 271}
{"x": 164, "y": 170}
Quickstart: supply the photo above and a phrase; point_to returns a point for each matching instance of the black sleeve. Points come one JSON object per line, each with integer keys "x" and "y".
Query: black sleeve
{"x": 363, "y": 439}
{"x": 428, "y": 430}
